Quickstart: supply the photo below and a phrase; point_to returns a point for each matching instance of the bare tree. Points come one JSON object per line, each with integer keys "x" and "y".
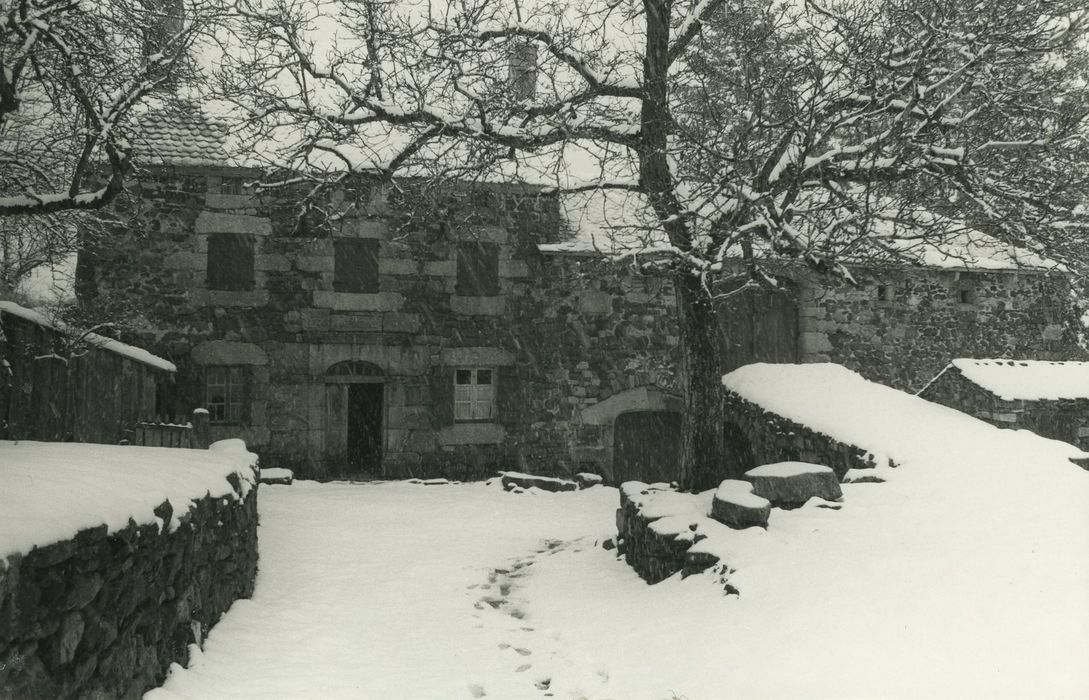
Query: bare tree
{"x": 72, "y": 75}
{"x": 743, "y": 130}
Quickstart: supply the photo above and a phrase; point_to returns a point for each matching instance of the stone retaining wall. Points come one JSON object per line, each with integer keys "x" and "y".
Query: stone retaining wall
{"x": 104, "y": 615}
{"x": 656, "y": 553}
{"x": 755, "y": 436}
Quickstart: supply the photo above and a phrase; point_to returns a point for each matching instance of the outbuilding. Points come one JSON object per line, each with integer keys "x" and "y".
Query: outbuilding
{"x": 1049, "y": 398}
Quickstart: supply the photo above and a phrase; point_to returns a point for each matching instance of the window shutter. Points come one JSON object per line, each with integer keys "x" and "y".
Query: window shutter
{"x": 356, "y": 265}
{"x": 478, "y": 269}
{"x": 442, "y": 395}
{"x": 230, "y": 261}
{"x": 247, "y": 394}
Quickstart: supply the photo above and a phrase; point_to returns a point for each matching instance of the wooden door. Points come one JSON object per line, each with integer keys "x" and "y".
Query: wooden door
{"x": 758, "y": 325}
{"x": 336, "y": 424}
{"x": 364, "y": 439}
{"x": 647, "y": 446}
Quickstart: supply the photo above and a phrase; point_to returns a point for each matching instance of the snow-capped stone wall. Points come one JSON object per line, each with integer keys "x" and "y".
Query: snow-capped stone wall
{"x": 106, "y": 612}
{"x": 756, "y": 436}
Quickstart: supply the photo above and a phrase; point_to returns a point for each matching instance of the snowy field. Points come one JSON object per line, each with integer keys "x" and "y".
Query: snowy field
{"x": 966, "y": 579}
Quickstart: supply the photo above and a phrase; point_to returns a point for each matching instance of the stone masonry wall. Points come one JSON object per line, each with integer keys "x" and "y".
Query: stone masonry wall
{"x": 104, "y": 615}
{"x": 1065, "y": 419}
{"x": 294, "y": 326}
{"x": 599, "y": 329}
{"x": 755, "y": 436}
{"x": 901, "y": 327}
{"x": 565, "y": 332}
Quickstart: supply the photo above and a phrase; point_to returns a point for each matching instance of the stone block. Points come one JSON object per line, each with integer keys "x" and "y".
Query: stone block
{"x": 227, "y": 352}
{"x": 513, "y": 268}
{"x": 185, "y": 261}
{"x": 478, "y": 306}
{"x": 476, "y": 356}
{"x": 395, "y": 266}
{"x": 365, "y": 228}
{"x": 735, "y": 505}
{"x": 586, "y": 479}
{"x": 791, "y": 484}
{"x": 235, "y": 299}
{"x": 1052, "y": 331}
{"x": 230, "y": 201}
{"x": 440, "y": 268}
{"x": 545, "y": 483}
{"x": 400, "y": 323}
{"x": 317, "y": 319}
{"x": 592, "y": 301}
{"x": 272, "y": 263}
{"x": 357, "y": 322}
{"x": 815, "y": 342}
{"x": 345, "y": 301}
{"x": 218, "y": 222}
{"x": 472, "y": 434}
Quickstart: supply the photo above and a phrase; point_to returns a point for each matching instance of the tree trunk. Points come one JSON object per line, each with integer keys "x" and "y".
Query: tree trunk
{"x": 702, "y": 453}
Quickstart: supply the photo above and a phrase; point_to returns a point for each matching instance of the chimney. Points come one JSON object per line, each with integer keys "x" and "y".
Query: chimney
{"x": 165, "y": 22}
{"x": 523, "y": 71}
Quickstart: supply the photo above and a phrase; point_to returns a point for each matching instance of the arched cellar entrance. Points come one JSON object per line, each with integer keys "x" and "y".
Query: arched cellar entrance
{"x": 647, "y": 446}
{"x": 354, "y": 411}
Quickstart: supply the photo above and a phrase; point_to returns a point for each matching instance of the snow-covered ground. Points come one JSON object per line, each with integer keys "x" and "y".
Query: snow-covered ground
{"x": 967, "y": 579}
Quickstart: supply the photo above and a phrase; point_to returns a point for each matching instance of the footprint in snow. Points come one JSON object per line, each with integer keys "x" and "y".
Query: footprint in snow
{"x": 476, "y": 690}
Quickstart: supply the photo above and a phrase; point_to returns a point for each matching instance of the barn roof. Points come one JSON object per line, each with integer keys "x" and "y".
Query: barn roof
{"x": 1026, "y": 380}
{"x": 93, "y": 340}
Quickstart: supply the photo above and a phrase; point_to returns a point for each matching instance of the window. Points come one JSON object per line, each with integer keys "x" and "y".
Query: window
{"x": 230, "y": 261}
{"x": 355, "y": 265}
{"x": 883, "y": 292}
{"x": 966, "y": 295}
{"x": 474, "y": 395}
{"x": 225, "y": 395}
{"x": 478, "y": 269}
{"x": 232, "y": 185}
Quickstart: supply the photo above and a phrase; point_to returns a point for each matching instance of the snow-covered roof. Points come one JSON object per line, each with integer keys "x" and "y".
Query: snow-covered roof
{"x": 182, "y": 138}
{"x": 610, "y": 222}
{"x": 93, "y": 339}
{"x": 619, "y": 223}
{"x": 1027, "y": 380}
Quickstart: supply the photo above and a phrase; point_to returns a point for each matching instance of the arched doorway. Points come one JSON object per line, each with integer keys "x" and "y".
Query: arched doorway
{"x": 354, "y": 409}
{"x": 647, "y": 446}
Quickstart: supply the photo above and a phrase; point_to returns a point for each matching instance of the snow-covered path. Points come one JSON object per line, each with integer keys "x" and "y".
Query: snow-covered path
{"x": 381, "y": 591}
{"x": 964, "y": 579}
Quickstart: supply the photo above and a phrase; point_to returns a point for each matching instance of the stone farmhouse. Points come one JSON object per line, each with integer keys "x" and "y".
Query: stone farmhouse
{"x": 489, "y": 332}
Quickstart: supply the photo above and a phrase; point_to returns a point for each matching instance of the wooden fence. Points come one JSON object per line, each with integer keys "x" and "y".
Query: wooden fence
{"x": 194, "y": 434}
